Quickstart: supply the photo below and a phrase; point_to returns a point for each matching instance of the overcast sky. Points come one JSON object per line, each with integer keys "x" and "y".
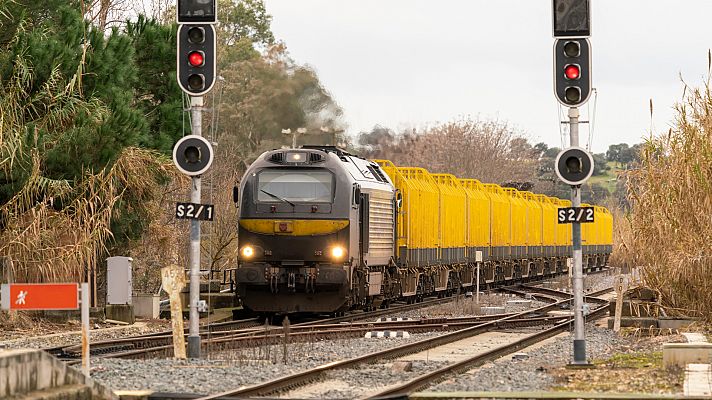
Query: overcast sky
{"x": 406, "y": 63}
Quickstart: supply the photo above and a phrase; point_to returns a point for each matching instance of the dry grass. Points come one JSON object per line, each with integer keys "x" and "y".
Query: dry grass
{"x": 668, "y": 231}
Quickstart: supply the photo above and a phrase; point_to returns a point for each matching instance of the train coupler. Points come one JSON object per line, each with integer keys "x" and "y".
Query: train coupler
{"x": 292, "y": 281}
{"x": 273, "y": 275}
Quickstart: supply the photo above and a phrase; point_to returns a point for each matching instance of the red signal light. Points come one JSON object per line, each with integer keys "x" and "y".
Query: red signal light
{"x": 572, "y": 71}
{"x": 196, "y": 58}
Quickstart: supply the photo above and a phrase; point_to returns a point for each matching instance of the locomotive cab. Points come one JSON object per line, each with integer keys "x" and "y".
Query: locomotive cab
{"x": 298, "y": 231}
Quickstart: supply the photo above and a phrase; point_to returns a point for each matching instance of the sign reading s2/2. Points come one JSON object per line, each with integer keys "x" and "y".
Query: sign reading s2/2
{"x": 203, "y": 212}
{"x": 575, "y": 214}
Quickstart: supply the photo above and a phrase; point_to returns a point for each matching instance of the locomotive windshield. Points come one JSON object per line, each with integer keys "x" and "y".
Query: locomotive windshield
{"x": 299, "y": 185}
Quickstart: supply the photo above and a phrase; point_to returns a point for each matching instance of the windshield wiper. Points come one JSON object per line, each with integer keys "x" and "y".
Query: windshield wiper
{"x": 277, "y": 197}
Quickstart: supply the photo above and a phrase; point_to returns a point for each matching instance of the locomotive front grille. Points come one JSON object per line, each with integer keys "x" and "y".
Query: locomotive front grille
{"x": 380, "y": 236}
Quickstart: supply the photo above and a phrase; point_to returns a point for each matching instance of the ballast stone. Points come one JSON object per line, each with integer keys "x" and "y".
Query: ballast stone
{"x": 402, "y": 366}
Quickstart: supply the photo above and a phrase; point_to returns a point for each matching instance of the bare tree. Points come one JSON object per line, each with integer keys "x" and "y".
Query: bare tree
{"x": 106, "y": 14}
{"x": 488, "y": 150}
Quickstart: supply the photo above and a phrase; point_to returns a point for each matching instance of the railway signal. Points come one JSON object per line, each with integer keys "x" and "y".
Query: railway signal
{"x": 193, "y": 155}
{"x": 192, "y": 11}
{"x": 572, "y": 18}
{"x": 196, "y": 63}
{"x": 572, "y": 71}
{"x": 571, "y": 25}
{"x": 574, "y": 166}
{"x": 196, "y": 71}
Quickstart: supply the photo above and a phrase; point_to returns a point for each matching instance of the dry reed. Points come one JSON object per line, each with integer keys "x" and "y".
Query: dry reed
{"x": 668, "y": 230}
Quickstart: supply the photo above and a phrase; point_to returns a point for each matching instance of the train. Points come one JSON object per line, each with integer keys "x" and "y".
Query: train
{"x": 321, "y": 230}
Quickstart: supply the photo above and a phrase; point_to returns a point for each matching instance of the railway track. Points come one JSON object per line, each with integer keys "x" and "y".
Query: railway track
{"x": 146, "y": 340}
{"x": 231, "y": 334}
{"x": 506, "y": 322}
{"x": 440, "y": 374}
{"x": 160, "y": 343}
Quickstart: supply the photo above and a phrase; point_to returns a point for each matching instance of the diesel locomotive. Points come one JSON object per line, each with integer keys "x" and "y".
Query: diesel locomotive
{"x": 322, "y": 230}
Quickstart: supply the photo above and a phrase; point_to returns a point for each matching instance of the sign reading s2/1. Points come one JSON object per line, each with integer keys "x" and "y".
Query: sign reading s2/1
{"x": 575, "y": 214}
{"x": 203, "y": 212}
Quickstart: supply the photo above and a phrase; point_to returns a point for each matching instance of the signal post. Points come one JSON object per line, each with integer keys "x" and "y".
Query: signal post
{"x": 574, "y": 165}
{"x": 193, "y": 154}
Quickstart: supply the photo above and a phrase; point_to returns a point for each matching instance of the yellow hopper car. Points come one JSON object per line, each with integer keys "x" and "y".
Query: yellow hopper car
{"x": 322, "y": 230}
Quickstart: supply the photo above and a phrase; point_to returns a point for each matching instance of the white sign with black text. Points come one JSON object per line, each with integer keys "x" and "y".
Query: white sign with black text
{"x": 203, "y": 212}
{"x": 570, "y": 215}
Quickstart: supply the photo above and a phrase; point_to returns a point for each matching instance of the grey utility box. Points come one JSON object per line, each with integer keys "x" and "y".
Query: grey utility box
{"x": 119, "y": 287}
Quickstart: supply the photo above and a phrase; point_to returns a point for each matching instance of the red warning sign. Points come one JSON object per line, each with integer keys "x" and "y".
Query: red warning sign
{"x": 40, "y": 296}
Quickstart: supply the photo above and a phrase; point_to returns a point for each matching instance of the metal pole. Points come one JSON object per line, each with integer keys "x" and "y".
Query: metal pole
{"x": 477, "y": 293}
{"x": 196, "y": 108}
{"x": 84, "y": 287}
{"x": 579, "y": 340}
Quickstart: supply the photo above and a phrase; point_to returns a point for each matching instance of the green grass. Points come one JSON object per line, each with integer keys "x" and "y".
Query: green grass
{"x": 635, "y": 360}
{"x": 608, "y": 178}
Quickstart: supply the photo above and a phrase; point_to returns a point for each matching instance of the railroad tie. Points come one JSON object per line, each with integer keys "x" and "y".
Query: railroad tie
{"x": 387, "y": 334}
{"x": 393, "y": 319}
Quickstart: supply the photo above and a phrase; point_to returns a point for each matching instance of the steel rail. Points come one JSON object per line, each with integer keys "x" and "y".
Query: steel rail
{"x": 553, "y": 292}
{"x": 162, "y": 341}
{"x": 65, "y": 350}
{"x": 438, "y": 375}
{"x": 300, "y": 378}
{"x": 323, "y": 332}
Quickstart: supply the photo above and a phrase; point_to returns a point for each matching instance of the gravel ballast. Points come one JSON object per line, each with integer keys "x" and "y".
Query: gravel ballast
{"x": 74, "y": 337}
{"x": 531, "y": 374}
{"x": 229, "y": 370}
{"x": 232, "y": 369}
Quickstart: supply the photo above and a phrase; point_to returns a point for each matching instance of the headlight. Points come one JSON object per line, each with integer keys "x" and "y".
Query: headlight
{"x": 337, "y": 252}
{"x": 247, "y": 251}
{"x": 296, "y": 157}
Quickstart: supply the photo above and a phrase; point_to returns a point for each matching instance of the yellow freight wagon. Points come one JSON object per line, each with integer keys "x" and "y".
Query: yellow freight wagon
{"x": 608, "y": 231}
{"x": 419, "y": 217}
{"x": 563, "y": 232}
{"x": 599, "y": 222}
{"x": 588, "y": 234}
{"x": 519, "y": 221}
{"x": 549, "y": 224}
{"x": 478, "y": 219}
{"x": 500, "y": 221}
{"x": 604, "y": 222}
{"x": 453, "y": 218}
{"x": 534, "y": 224}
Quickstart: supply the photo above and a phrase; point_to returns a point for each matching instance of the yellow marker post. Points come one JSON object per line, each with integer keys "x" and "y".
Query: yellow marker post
{"x": 173, "y": 279}
{"x": 621, "y": 288}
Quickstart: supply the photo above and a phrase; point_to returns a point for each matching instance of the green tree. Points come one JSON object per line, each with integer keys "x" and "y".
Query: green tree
{"x": 618, "y": 153}
{"x": 263, "y": 96}
{"x": 156, "y": 91}
{"x": 61, "y": 50}
{"x": 100, "y": 67}
{"x": 600, "y": 165}
{"x": 56, "y": 224}
{"x": 244, "y": 21}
